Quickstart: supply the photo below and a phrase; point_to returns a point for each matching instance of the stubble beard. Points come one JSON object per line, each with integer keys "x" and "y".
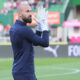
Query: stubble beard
{"x": 27, "y": 20}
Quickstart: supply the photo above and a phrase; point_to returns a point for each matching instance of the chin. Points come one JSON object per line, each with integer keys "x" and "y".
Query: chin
{"x": 30, "y": 21}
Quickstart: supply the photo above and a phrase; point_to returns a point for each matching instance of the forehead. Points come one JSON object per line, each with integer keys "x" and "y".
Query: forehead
{"x": 26, "y": 7}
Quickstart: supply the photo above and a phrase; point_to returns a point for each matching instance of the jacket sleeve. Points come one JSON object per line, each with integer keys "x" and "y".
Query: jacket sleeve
{"x": 28, "y": 34}
{"x": 39, "y": 33}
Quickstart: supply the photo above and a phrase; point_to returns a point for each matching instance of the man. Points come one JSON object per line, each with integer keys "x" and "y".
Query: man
{"x": 23, "y": 39}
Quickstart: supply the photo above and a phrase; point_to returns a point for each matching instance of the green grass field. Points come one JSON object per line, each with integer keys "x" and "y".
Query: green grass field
{"x": 47, "y": 69}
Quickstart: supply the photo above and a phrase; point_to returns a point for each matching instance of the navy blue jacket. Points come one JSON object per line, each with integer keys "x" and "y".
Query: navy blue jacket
{"x": 23, "y": 39}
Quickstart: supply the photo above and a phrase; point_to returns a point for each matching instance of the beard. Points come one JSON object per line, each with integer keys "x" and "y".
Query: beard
{"x": 27, "y": 20}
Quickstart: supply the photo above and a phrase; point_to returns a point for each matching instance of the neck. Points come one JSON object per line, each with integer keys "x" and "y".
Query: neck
{"x": 20, "y": 19}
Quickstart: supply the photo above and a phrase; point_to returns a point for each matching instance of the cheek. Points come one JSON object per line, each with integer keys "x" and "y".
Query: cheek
{"x": 27, "y": 15}
{"x": 24, "y": 15}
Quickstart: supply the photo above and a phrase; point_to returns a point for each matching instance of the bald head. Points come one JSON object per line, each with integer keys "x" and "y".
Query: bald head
{"x": 22, "y": 6}
{"x": 24, "y": 13}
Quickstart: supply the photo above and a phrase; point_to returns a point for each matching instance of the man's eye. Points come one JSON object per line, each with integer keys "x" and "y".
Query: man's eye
{"x": 28, "y": 11}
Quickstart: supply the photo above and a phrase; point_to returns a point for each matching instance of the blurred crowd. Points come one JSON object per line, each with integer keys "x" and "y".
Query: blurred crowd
{"x": 10, "y": 5}
{"x": 74, "y": 34}
{"x": 4, "y": 30}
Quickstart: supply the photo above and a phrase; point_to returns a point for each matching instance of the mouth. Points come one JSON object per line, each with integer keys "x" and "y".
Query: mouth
{"x": 30, "y": 16}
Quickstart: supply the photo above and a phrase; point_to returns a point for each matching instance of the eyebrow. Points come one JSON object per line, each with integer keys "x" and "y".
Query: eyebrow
{"x": 28, "y": 10}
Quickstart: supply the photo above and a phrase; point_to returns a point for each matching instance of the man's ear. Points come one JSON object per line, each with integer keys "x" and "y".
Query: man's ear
{"x": 19, "y": 14}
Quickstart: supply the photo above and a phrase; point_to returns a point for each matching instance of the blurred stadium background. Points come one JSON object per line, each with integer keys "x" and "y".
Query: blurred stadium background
{"x": 59, "y": 61}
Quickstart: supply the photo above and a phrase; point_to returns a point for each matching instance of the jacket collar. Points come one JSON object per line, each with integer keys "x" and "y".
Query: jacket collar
{"x": 20, "y": 22}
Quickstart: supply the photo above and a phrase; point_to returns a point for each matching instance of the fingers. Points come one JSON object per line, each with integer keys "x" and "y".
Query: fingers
{"x": 42, "y": 15}
{"x": 46, "y": 14}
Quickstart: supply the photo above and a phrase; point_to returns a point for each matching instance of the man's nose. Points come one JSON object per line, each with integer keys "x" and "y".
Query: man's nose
{"x": 30, "y": 13}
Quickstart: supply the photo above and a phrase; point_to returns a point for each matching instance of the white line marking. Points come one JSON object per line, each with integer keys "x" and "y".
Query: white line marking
{"x": 45, "y": 68}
